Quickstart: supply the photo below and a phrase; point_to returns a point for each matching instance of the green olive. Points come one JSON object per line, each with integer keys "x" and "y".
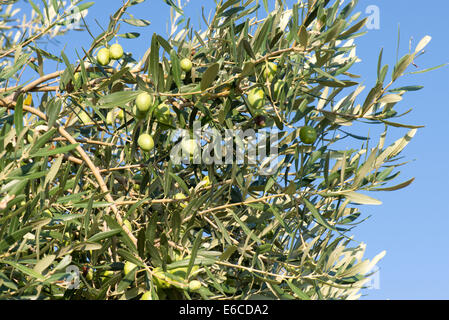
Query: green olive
{"x": 186, "y": 64}
{"x": 144, "y": 102}
{"x": 256, "y": 98}
{"x": 116, "y": 51}
{"x": 146, "y": 142}
{"x": 307, "y": 134}
{"x": 194, "y": 285}
{"x": 103, "y": 56}
{"x": 146, "y": 296}
{"x": 269, "y": 71}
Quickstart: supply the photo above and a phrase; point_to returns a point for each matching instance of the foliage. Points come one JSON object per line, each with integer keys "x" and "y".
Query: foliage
{"x": 76, "y": 190}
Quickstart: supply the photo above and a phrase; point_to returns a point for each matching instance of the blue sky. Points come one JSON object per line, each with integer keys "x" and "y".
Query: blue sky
{"x": 412, "y": 223}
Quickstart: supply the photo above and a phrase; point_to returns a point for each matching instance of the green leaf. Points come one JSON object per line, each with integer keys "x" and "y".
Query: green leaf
{"x": 400, "y": 67}
{"x": 303, "y": 36}
{"x": 85, "y": 6}
{"x": 360, "y": 198}
{"x": 176, "y": 68}
{"x": 104, "y": 235}
{"x": 301, "y": 294}
{"x": 50, "y": 152}
{"x": 429, "y": 69}
{"x": 44, "y": 263}
{"x": 24, "y": 269}
{"x": 36, "y": 9}
{"x": 359, "y": 25}
{"x": 129, "y": 35}
{"x": 18, "y": 115}
{"x": 390, "y": 98}
{"x": 117, "y": 99}
{"x": 154, "y": 60}
{"x": 137, "y": 22}
{"x": 248, "y": 49}
{"x": 13, "y": 238}
{"x": 209, "y": 76}
{"x": 127, "y": 280}
{"x": 193, "y": 253}
{"x": 53, "y": 170}
{"x": 317, "y": 215}
{"x": 396, "y": 187}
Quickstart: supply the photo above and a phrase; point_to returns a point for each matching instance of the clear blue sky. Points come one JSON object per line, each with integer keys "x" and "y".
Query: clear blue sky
{"x": 412, "y": 223}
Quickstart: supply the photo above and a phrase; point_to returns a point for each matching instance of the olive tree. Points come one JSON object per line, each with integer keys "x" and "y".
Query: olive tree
{"x": 94, "y": 203}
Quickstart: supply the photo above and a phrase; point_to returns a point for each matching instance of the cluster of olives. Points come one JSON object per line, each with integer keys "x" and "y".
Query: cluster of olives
{"x": 105, "y": 55}
{"x": 256, "y": 99}
{"x": 160, "y": 279}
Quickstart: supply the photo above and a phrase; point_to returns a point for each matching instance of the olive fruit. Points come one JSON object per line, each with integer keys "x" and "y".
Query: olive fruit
{"x": 256, "y": 98}
{"x": 277, "y": 89}
{"x": 145, "y": 142}
{"x": 260, "y": 120}
{"x": 189, "y": 146}
{"x": 163, "y": 115}
{"x": 103, "y": 56}
{"x": 110, "y": 117}
{"x": 144, "y": 102}
{"x": 146, "y": 296}
{"x": 120, "y": 114}
{"x": 194, "y": 285}
{"x": 129, "y": 266}
{"x": 116, "y": 51}
{"x": 159, "y": 278}
{"x": 307, "y": 134}
{"x": 90, "y": 274}
{"x": 186, "y": 64}
{"x": 269, "y": 71}
{"x": 77, "y": 77}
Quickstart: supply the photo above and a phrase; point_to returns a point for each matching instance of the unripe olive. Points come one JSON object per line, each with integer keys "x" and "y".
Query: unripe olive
{"x": 186, "y": 64}
{"x": 110, "y": 117}
{"x": 189, "y": 146}
{"x": 277, "y": 88}
{"x": 103, "y": 56}
{"x": 307, "y": 134}
{"x": 90, "y": 274}
{"x": 121, "y": 114}
{"x": 269, "y": 71}
{"x": 116, "y": 51}
{"x": 145, "y": 142}
{"x": 194, "y": 285}
{"x": 256, "y": 98}
{"x": 160, "y": 278}
{"x": 146, "y": 296}
{"x": 144, "y": 102}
